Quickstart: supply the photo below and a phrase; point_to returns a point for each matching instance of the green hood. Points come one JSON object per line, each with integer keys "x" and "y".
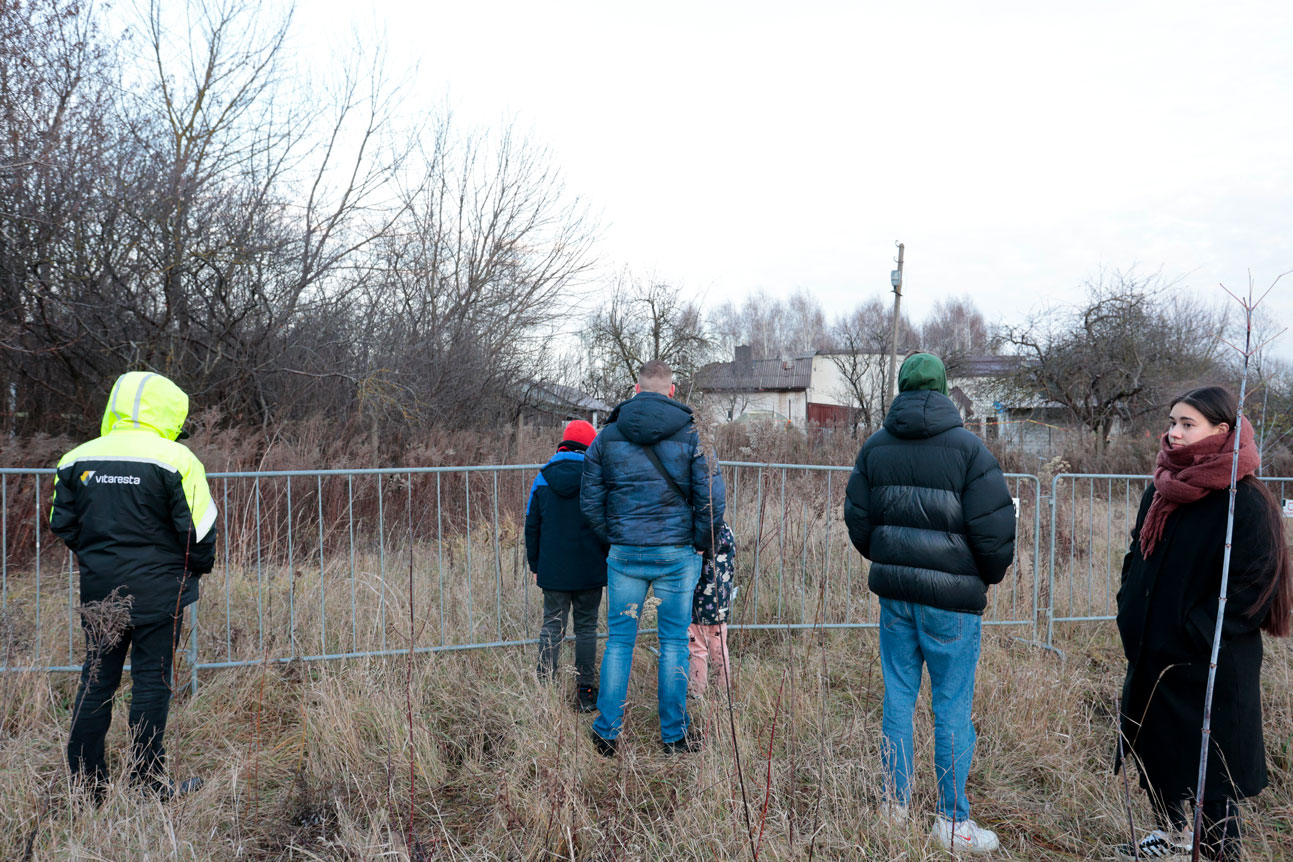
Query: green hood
{"x": 142, "y": 399}
{"x": 922, "y": 371}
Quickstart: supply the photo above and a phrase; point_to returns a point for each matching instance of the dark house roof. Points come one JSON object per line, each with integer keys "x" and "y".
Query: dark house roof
{"x": 558, "y": 398}
{"x": 758, "y": 375}
{"x": 986, "y": 366}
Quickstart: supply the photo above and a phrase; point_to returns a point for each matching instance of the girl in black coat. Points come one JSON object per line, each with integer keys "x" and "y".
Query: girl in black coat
{"x": 1167, "y": 612}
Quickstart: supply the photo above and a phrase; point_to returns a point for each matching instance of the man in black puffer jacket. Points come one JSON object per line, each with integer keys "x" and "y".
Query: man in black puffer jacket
{"x": 568, "y": 561}
{"x": 928, "y": 506}
{"x": 656, "y": 515}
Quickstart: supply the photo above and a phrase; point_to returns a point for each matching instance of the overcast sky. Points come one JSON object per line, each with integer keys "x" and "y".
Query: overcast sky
{"x": 1016, "y": 148}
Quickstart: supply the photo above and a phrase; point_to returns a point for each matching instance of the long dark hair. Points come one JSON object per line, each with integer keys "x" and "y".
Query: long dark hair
{"x": 1218, "y": 405}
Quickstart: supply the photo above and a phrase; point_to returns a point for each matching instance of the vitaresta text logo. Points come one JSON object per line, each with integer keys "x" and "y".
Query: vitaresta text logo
{"x": 116, "y": 480}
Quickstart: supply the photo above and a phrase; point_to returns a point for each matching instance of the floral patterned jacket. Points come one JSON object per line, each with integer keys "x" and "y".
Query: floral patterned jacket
{"x": 713, "y": 597}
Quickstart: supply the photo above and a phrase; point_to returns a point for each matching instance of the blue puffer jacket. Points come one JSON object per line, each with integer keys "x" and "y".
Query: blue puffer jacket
{"x": 928, "y": 506}
{"x": 624, "y": 497}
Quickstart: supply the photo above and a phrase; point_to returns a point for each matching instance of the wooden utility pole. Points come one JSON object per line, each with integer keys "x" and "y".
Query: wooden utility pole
{"x": 895, "y": 278}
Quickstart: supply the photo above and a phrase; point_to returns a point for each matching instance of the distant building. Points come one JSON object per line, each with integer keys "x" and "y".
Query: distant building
{"x": 544, "y": 403}
{"x": 992, "y": 408}
{"x": 813, "y": 389}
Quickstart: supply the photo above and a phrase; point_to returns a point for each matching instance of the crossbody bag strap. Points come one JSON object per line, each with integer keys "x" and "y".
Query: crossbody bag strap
{"x": 655, "y": 460}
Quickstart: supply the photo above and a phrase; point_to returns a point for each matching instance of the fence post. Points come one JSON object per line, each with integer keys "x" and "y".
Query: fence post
{"x": 1050, "y": 576}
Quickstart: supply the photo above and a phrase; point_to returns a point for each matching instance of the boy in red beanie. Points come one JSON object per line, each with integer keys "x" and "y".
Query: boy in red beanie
{"x": 568, "y": 561}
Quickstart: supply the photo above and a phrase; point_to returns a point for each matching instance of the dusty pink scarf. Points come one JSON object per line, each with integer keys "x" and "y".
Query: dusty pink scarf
{"x": 1189, "y": 473}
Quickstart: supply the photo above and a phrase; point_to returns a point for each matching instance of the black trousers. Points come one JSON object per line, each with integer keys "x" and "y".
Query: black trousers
{"x": 1222, "y": 835}
{"x": 151, "y": 647}
{"x": 556, "y": 605}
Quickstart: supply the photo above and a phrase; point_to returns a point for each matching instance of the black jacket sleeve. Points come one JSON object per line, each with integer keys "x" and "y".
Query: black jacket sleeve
{"x": 989, "y": 516}
{"x": 1251, "y": 556}
{"x": 857, "y": 507}
{"x": 199, "y": 553}
{"x": 63, "y": 520}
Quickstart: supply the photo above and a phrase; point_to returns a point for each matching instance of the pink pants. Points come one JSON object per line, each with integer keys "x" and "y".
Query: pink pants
{"x": 707, "y": 644}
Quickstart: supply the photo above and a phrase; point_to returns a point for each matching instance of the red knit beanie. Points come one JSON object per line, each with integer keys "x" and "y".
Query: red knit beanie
{"x": 579, "y": 431}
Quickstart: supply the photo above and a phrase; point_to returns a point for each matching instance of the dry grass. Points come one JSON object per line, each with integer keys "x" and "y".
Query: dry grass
{"x": 312, "y": 762}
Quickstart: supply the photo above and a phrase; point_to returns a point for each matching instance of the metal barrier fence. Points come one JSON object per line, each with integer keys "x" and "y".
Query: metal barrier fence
{"x": 334, "y": 564}
{"x": 1091, "y": 519}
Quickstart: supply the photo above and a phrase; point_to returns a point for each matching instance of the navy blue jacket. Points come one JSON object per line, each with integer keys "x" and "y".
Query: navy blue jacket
{"x": 625, "y": 498}
{"x": 928, "y": 506}
{"x": 560, "y": 546}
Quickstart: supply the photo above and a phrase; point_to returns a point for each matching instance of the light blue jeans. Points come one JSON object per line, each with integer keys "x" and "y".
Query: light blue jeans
{"x": 671, "y": 572}
{"x": 913, "y": 635}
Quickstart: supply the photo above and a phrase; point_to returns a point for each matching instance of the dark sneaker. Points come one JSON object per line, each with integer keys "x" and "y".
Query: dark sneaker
{"x": 1159, "y": 844}
{"x": 605, "y": 747}
{"x": 686, "y": 745}
{"x": 586, "y": 698}
{"x": 165, "y": 790}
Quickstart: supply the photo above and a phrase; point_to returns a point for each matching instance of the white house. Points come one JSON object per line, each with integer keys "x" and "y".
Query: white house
{"x": 829, "y": 388}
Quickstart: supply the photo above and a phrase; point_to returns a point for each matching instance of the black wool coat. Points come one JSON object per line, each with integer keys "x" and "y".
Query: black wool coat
{"x": 560, "y": 546}
{"x": 928, "y": 506}
{"x": 1167, "y": 612}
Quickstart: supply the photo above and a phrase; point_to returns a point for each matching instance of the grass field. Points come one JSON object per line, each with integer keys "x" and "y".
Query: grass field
{"x": 322, "y": 761}
{"x": 463, "y": 755}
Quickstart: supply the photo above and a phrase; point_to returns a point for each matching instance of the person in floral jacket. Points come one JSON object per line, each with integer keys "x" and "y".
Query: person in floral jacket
{"x": 710, "y": 604}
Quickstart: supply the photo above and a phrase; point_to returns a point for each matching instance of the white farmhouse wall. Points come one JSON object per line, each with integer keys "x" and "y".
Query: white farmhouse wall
{"x": 790, "y": 405}
{"x": 828, "y": 385}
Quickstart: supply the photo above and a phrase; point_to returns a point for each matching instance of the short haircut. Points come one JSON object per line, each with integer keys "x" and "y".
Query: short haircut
{"x": 656, "y": 376}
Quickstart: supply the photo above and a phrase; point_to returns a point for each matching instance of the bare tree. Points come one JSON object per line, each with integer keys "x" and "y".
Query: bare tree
{"x": 1121, "y": 355}
{"x": 55, "y": 135}
{"x": 642, "y": 319}
{"x": 488, "y": 254}
{"x": 955, "y": 330}
{"x": 772, "y": 326}
{"x": 205, "y": 211}
{"x": 179, "y": 204}
{"x": 860, "y": 350}
{"x": 1271, "y": 386}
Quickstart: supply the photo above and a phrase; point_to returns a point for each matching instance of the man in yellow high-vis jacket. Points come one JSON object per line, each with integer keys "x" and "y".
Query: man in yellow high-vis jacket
{"x": 134, "y": 507}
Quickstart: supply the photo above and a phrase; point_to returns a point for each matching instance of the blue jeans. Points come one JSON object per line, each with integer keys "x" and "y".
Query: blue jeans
{"x": 913, "y": 635}
{"x": 671, "y": 572}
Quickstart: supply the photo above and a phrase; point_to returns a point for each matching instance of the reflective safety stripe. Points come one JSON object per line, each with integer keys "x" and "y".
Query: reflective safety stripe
{"x": 171, "y": 468}
{"x": 208, "y": 521}
{"x": 139, "y": 396}
{"x": 112, "y": 404}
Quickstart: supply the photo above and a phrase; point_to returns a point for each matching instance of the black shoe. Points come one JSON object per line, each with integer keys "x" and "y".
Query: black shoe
{"x": 586, "y": 697}
{"x": 605, "y": 747}
{"x": 686, "y": 745}
{"x": 94, "y": 790}
{"x": 165, "y": 790}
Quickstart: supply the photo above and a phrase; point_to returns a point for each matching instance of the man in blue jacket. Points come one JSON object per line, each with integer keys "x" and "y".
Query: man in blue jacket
{"x": 649, "y": 492}
{"x": 928, "y": 506}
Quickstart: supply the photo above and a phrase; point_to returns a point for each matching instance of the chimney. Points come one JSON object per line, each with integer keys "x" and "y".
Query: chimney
{"x": 743, "y": 364}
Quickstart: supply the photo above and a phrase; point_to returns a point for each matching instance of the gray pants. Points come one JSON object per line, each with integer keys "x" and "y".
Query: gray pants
{"x": 556, "y": 605}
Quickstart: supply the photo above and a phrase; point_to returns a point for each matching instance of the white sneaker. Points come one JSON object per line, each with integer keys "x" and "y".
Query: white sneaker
{"x": 893, "y": 813}
{"x": 1159, "y": 845}
{"x": 968, "y": 836}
